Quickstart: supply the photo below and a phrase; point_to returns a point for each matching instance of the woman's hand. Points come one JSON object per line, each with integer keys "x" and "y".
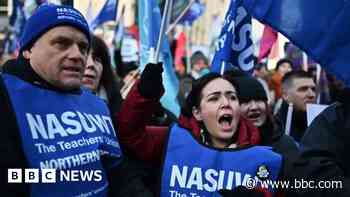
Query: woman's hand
{"x": 151, "y": 83}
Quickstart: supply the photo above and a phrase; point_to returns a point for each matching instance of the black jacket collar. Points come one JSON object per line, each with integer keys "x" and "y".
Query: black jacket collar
{"x": 22, "y": 69}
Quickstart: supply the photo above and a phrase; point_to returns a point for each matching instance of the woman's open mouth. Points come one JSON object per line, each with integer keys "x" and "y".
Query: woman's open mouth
{"x": 225, "y": 121}
{"x": 88, "y": 79}
{"x": 254, "y": 115}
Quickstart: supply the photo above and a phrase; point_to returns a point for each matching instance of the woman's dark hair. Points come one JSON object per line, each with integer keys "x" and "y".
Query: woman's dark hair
{"x": 108, "y": 80}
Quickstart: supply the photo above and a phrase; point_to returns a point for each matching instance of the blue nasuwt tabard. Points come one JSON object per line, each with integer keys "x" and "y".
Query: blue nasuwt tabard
{"x": 66, "y": 132}
{"x": 193, "y": 169}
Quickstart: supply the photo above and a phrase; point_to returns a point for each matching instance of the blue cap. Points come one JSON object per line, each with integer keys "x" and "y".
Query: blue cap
{"x": 48, "y": 16}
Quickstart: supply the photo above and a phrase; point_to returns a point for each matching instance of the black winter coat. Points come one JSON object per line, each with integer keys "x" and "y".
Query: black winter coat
{"x": 325, "y": 155}
{"x": 299, "y": 122}
{"x": 272, "y": 134}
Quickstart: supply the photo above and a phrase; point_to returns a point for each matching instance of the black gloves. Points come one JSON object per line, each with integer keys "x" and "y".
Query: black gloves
{"x": 151, "y": 83}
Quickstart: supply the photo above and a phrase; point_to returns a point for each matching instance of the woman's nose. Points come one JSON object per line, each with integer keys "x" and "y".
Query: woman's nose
{"x": 225, "y": 101}
{"x": 253, "y": 104}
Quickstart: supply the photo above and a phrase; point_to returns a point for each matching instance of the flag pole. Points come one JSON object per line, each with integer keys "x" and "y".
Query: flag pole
{"x": 289, "y": 119}
{"x": 168, "y": 20}
{"x": 222, "y": 70}
{"x": 177, "y": 20}
{"x": 318, "y": 79}
{"x": 305, "y": 62}
{"x": 188, "y": 48}
{"x": 162, "y": 30}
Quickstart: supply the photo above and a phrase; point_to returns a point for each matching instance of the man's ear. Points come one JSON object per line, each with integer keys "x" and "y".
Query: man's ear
{"x": 26, "y": 54}
{"x": 285, "y": 95}
{"x": 197, "y": 114}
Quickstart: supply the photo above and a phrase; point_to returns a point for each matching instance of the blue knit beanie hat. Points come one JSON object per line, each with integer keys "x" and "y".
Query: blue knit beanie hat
{"x": 48, "y": 16}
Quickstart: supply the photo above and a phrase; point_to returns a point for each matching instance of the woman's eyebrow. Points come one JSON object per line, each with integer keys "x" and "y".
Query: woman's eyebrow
{"x": 218, "y": 93}
{"x": 214, "y": 93}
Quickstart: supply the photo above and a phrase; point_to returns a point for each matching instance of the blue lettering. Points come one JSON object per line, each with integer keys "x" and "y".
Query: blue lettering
{"x": 242, "y": 41}
{"x": 243, "y": 57}
{"x": 241, "y": 13}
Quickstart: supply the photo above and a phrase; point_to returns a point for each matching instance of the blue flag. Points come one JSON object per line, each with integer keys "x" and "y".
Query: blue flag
{"x": 149, "y": 24}
{"x": 234, "y": 48}
{"x": 17, "y": 18}
{"x": 195, "y": 11}
{"x": 17, "y": 21}
{"x": 321, "y": 28}
{"x": 107, "y": 13}
{"x": 178, "y": 7}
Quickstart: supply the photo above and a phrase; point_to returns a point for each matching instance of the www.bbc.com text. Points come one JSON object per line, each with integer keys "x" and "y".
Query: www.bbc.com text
{"x": 296, "y": 184}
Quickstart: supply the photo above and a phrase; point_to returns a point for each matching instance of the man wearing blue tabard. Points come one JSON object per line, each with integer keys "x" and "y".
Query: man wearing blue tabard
{"x": 47, "y": 121}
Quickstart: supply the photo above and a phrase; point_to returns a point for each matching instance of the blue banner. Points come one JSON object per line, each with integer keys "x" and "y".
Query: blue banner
{"x": 321, "y": 28}
{"x": 193, "y": 13}
{"x": 107, "y": 13}
{"x": 234, "y": 48}
{"x": 149, "y": 25}
{"x": 16, "y": 21}
{"x": 178, "y": 7}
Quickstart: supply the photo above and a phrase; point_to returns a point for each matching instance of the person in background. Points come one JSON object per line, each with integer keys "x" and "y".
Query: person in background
{"x": 99, "y": 76}
{"x": 254, "y": 107}
{"x": 324, "y": 157}
{"x": 47, "y": 120}
{"x": 199, "y": 64}
{"x": 262, "y": 75}
{"x": 283, "y": 66}
{"x": 210, "y": 127}
{"x": 184, "y": 89}
{"x": 128, "y": 73}
{"x": 299, "y": 89}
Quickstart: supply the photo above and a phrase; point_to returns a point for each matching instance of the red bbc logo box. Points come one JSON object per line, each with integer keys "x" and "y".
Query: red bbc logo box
{"x": 31, "y": 175}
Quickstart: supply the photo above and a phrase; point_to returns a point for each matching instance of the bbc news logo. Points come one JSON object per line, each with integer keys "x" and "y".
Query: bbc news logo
{"x": 31, "y": 175}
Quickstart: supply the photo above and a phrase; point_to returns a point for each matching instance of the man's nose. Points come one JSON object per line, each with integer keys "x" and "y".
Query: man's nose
{"x": 311, "y": 92}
